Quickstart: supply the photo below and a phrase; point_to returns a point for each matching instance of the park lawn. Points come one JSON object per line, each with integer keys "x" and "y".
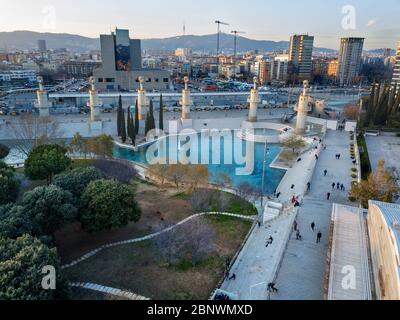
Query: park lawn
{"x": 73, "y": 242}
{"x": 139, "y": 268}
{"x": 84, "y": 294}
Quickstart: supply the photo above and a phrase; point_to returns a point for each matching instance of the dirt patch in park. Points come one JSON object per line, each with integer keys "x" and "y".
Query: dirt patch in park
{"x": 139, "y": 268}
{"x": 158, "y": 206}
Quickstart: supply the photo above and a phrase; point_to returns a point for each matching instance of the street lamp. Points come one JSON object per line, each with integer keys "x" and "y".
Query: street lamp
{"x": 263, "y": 172}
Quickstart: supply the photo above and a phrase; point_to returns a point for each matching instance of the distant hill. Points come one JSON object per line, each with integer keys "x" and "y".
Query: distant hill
{"x": 28, "y": 40}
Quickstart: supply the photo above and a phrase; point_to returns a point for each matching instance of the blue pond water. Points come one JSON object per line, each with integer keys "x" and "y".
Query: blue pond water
{"x": 272, "y": 176}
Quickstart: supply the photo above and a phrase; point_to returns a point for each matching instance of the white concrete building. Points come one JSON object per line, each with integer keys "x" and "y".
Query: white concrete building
{"x": 384, "y": 238}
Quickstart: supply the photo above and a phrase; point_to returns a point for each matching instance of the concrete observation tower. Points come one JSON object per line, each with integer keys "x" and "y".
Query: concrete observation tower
{"x": 143, "y": 102}
{"x": 303, "y": 108}
{"x": 186, "y": 102}
{"x": 254, "y": 101}
{"x": 42, "y": 102}
{"x": 94, "y": 101}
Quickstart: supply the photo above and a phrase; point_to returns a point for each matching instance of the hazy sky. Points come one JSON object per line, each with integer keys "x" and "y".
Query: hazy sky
{"x": 376, "y": 20}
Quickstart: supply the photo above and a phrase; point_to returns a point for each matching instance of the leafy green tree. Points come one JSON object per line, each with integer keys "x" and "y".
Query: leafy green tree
{"x": 4, "y": 151}
{"x": 77, "y": 180}
{"x": 119, "y": 116}
{"x": 21, "y": 270}
{"x": 14, "y": 222}
{"x": 49, "y": 207}
{"x": 46, "y": 161}
{"x": 137, "y": 123}
{"x": 9, "y": 185}
{"x": 161, "y": 119}
{"x": 108, "y": 204}
{"x": 123, "y": 128}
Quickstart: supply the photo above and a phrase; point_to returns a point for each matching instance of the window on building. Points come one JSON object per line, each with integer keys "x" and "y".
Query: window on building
{"x": 110, "y": 80}
{"x": 166, "y": 80}
{"x": 156, "y": 80}
{"x": 100, "y": 80}
{"x": 148, "y": 79}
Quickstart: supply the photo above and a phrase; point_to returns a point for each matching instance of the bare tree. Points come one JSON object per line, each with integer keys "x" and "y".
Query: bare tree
{"x": 31, "y": 131}
{"x": 351, "y": 111}
{"x": 200, "y": 239}
{"x": 201, "y": 200}
{"x": 170, "y": 244}
{"x": 246, "y": 191}
{"x": 294, "y": 142}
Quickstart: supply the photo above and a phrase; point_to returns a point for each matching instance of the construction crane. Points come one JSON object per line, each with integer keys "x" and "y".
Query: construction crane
{"x": 235, "y": 32}
{"x": 218, "y": 33}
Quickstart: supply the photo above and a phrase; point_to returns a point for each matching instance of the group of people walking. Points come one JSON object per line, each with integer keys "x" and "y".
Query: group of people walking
{"x": 313, "y": 228}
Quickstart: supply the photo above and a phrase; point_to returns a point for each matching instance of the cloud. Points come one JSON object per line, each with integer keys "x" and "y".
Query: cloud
{"x": 371, "y": 22}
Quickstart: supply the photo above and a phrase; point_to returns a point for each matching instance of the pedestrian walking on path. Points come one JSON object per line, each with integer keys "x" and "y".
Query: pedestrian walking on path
{"x": 298, "y": 235}
{"x": 233, "y": 277}
{"x": 278, "y": 195}
{"x": 325, "y": 172}
{"x": 319, "y": 236}
{"x": 338, "y": 185}
{"x": 316, "y": 157}
{"x": 309, "y": 186}
{"x": 295, "y": 226}
{"x": 333, "y": 186}
{"x": 293, "y": 186}
{"x": 313, "y": 226}
{"x": 342, "y": 187}
{"x": 328, "y": 196}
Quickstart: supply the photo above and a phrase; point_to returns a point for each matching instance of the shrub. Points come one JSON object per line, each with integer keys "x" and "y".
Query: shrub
{"x": 9, "y": 185}
{"x": 108, "y": 204}
{"x": 77, "y": 180}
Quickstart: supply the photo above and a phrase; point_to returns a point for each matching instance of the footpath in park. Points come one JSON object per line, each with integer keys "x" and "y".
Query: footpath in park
{"x": 301, "y": 275}
{"x": 256, "y": 265}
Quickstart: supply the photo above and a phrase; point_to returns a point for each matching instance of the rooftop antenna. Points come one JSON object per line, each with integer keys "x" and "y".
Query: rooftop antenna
{"x": 218, "y": 22}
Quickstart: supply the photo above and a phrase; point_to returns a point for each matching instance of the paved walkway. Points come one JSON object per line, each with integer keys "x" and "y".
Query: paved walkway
{"x": 301, "y": 276}
{"x": 107, "y": 290}
{"x": 257, "y": 264}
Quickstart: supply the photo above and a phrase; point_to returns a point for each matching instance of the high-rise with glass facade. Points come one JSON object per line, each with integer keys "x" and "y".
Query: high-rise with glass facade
{"x": 300, "y": 56}
{"x": 350, "y": 60}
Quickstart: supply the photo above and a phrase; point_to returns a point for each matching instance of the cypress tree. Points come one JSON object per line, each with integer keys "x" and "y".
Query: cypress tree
{"x": 128, "y": 122}
{"x": 161, "y": 119}
{"x": 152, "y": 124}
{"x": 119, "y": 117}
{"x": 371, "y": 109}
{"x": 137, "y": 123}
{"x": 123, "y": 127}
{"x": 133, "y": 131}
{"x": 147, "y": 124}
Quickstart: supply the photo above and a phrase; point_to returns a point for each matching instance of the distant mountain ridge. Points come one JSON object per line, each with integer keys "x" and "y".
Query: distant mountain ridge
{"x": 23, "y": 40}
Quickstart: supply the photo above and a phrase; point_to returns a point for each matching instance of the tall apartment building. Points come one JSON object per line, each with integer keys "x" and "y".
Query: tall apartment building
{"x": 300, "y": 55}
{"x": 122, "y": 65}
{"x": 396, "y": 70}
{"x": 350, "y": 60}
{"x": 42, "y": 46}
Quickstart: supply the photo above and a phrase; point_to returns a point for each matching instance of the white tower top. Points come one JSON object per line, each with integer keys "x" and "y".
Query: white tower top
{"x": 91, "y": 83}
{"x": 305, "y": 85}
{"x": 40, "y": 81}
{"x": 186, "y": 80}
{"x": 255, "y": 80}
{"x": 141, "y": 81}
